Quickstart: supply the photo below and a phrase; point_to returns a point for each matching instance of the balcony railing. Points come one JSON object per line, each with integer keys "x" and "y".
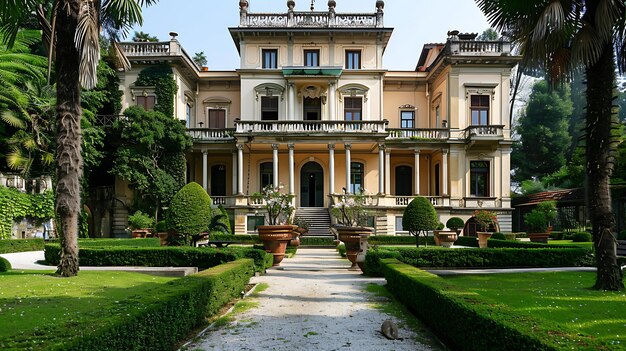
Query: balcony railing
{"x": 311, "y": 19}
{"x": 205, "y": 134}
{"x": 433, "y": 134}
{"x": 403, "y": 201}
{"x": 479, "y": 48}
{"x": 490, "y": 132}
{"x": 146, "y": 48}
{"x": 310, "y": 127}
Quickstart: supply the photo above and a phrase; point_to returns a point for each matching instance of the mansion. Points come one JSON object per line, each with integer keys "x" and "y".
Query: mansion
{"x": 313, "y": 108}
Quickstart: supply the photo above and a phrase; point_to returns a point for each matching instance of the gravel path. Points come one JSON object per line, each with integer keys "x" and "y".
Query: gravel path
{"x": 313, "y": 302}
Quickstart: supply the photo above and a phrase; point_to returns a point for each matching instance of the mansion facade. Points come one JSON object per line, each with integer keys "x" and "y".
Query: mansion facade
{"x": 313, "y": 108}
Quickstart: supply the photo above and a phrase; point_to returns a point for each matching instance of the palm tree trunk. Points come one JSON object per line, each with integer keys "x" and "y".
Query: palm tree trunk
{"x": 69, "y": 161}
{"x": 600, "y": 93}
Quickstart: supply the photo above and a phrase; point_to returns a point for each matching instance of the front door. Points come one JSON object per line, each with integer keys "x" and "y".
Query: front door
{"x": 312, "y": 185}
{"x": 312, "y": 109}
{"x": 218, "y": 180}
{"x": 404, "y": 181}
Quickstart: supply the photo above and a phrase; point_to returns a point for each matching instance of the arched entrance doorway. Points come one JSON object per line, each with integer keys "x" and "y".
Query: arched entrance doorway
{"x": 472, "y": 227}
{"x": 312, "y": 185}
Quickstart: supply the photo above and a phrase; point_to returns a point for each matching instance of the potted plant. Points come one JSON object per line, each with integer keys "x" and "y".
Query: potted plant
{"x": 302, "y": 227}
{"x": 419, "y": 217}
{"x": 140, "y": 224}
{"x": 351, "y": 218}
{"x": 456, "y": 224}
{"x": 487, "y": 221}
{"x": 277, "y": 234}
{"x": 538, "y": 221}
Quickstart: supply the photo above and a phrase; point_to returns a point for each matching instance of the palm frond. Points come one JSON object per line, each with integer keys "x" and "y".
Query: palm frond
{"x": 12, "y": 13}
{"x": 87, "y": 44}
{"x": 9, "y": 117}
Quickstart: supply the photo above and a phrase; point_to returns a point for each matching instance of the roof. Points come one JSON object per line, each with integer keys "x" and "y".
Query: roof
{"x": 576, "y": 195}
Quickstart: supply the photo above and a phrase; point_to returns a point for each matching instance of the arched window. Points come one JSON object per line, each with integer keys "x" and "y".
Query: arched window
{"x": 266, "y": 174}
{"x": 357, "y": 171}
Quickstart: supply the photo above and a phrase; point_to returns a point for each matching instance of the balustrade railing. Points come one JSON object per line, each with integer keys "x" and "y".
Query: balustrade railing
{"x": 403, "y": 201}
{"x": 479, "y": 47}
{"x": 205, "y": 134}
{"x": 488, "y": 131}
{"x": 311, "y": 126}
{"x": 311, "y": 19}
{"x": 419, "y": 134}
{"x": 146, "y": 48}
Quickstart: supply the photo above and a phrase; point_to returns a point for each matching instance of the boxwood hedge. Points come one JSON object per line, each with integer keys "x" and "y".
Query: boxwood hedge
{"x": 448, "y": 310}
{"x": 20, "y": 245}
{"x": 202, "y": 258}
{"x": 160, "y": 321}
{"x": 5, "y": 265}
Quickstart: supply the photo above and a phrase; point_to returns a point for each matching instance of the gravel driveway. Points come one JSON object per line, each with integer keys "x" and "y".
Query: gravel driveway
{"x": 312, "y": 302}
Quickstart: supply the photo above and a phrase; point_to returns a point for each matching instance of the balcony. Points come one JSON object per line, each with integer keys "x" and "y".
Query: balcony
{"x": 479, "y": 48}
{"x": 311, "y": 20}
{"x": 487, "y": 133}
{"x": 203, "y": 135}
{"x": 403, "y": 201}
{"x": 311, "y": 128}
{"x": 421, "y": 135}
{"x": 154, "y": 51}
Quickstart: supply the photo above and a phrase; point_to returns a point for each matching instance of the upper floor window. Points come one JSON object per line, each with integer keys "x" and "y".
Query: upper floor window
{"x": 269, "y": 108}
{"x": 438, "y": 123}
{"x": 311, "y": 58}
{"x": 353, "y": 59}
{"x": 188, "y": 111}
{"x": 147, "y": 102}
{"x": 217, "y": 119}
{"x": 270, "y": 58}
{"x": 407, "y": 119}
{"x": 479, "y": 108}
{"x": 479, "y": 178}
{"x": 353, "y": 108}
{"x": 356, "y": 177}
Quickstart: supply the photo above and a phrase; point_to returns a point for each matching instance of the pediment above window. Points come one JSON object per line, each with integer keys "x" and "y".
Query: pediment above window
{"x": 269, "y": 89}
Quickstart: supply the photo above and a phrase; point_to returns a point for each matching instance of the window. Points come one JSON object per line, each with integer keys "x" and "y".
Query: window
{"x": 353, "y": 59}
{"x": 267, "y": 174}
{"x": 188, "y": 110}
{"x": 270, "y": 58}
{"x": 356, "y": 177}
{"x": 479, "y": 108}
{"x": 253, "y": 222}
{"x": 353, "y": 108}
{"x": 407, "y": 119}
{"x": 438, "y": 117}
{"x": 399, "y": 227}
{"x": 437, "y": 180}
{"x": 217, "y": 119}
{"x": 311, "y": 58}
{"x": 269, "y": 108}
{"x": 147, "y": 102}
{"x": 479, "y": 178}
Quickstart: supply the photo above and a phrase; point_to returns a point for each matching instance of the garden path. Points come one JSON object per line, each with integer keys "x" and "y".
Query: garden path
{"x": 312, "y": 302}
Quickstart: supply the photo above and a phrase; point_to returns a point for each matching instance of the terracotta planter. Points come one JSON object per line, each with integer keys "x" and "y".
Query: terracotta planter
{"x": 446, "y": 237}
{"x": 539, "y": 237}
{"x": 163, "y": 239}
{"x": 141, "y": 233}
{"x": 275, "y": 239}
{"x": 351, "y": 237}
{"x": 295, "y": 241}
{"x": 482, "y": 239}
{"x": 436, "y": 237}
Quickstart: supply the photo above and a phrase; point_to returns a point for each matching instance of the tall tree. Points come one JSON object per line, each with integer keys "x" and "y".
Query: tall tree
{"x": 544, "y": 139}
{"x": 144, "y": 37}
{"x": 488, "y": 34}
{"x": 74, "y": 34}
{"x": 563, "y": 36}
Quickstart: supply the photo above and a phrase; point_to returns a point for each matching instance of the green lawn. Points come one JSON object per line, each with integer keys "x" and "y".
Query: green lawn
{"x": 38, "y": 309}
{"x": 569, "y": 242}
{"x": 557, "y": 297}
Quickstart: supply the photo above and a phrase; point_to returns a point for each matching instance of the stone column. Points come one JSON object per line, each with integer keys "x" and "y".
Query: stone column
{"x": 348, "y": 167}
{"x": 240, "y": 169}
{"x": 444, "y": 155}
{"x": 332, "y": 114}
{"x": 234, "y": 173}
{"x": 381, "y": 169}
{"x": 275, "y": 164}
{"x": 331, "y": 165}
{"x": 292, "y": 187}
{"x": 387, "y": 171}
{"x": 205, "y": 170}
{"x": 417, "y": 172}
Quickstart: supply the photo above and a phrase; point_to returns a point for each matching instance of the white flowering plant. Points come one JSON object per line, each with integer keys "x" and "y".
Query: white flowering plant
{"x": 278, "y": 206}
{"x": 350, "y": 210}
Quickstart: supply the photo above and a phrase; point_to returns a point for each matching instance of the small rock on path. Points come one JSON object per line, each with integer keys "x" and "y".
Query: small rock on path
{"x": 312, "y": 303}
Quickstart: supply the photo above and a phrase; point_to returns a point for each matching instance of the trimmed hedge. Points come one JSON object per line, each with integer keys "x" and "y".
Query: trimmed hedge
{"x": 138, "y": 242}
{"x": 522, "y": 244}
{"x": 581, "y": 237}
{"x": 469, "y": 241}
{"x": 399, "y": 240}
{"x": 317, "y": 241}
{"x": 162, "y": 320}
{"x": 202, "y": 258}
{"x": 480, "y": 258}
{"x": 5, "y": 265}
{"x": 21, "y": 245}
{"x": 448, "y": 310}
{"x": 244, "y": 239}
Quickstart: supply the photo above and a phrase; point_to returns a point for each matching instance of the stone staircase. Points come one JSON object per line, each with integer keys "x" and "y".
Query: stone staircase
{"x": 318, "y": 218}
{"x": 120, "y": 220}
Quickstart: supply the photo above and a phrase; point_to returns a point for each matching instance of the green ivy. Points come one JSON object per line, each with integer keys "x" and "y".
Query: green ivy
{"x": 17, "y": 205}
{"x": 162, "y": 79}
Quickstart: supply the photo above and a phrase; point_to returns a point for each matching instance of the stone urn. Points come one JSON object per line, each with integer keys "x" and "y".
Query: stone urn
{"x": 539, "y": 237}
{"x": 351, "y": 237}
{"x": 446, "y": 237}
{"x": 275, "y": 239}
{"x": 482, "y": 239}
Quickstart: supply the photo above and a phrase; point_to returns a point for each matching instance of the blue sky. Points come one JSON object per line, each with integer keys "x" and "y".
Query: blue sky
{"x": 202, "y": 25}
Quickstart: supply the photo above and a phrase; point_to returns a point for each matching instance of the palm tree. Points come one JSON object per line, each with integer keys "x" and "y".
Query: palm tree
{"x": 562, "y": 37}
{"x": 74, "y": 34}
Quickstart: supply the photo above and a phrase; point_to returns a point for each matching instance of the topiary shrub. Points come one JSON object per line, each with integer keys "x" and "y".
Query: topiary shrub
{"x": 581, "y": 237}
{"x": 140, "y": 220}
{"x": 498, "y": 236}
{"x": 190, "y": 211}
{"x": 5, "y": 265}
{"x": 455, "y": 223}
{"x": 219, "y": 222}
{"x": 419, "y": 216}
